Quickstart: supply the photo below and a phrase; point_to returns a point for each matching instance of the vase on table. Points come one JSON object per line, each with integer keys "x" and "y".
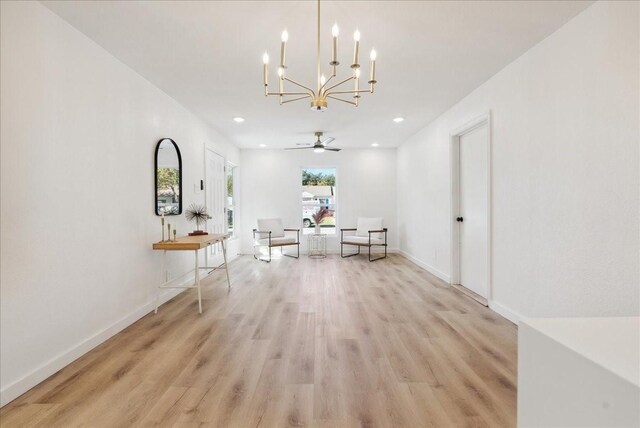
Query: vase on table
{"x": 317, "y": 229}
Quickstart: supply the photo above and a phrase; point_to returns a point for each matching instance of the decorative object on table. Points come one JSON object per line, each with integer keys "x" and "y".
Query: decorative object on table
{"x": 318, "y": 216}
{"x": 168, "y": 232}
{"x": 174, "y": 235}
{"x": 322, "y": 91}
{"x": 162, "y": 221}
{"x": 168, "y": 178}
{"x": 197, "y": 213}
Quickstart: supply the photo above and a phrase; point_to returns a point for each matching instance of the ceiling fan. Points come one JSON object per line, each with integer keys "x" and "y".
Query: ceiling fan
{"x": 318, "y": 146}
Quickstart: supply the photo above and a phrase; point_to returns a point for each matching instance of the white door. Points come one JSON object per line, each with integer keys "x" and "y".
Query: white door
{"x": 215, "y": 194}
{"x": 473, "y": 215}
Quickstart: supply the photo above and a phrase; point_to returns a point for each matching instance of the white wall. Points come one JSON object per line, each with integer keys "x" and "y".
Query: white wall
{"x": 565, "y": 138}
{"x": 271, "y": 187}
{"x": 78, "y": 134}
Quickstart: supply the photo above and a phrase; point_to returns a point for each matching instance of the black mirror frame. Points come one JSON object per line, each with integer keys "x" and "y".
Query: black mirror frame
{"x": 155, "y": 177}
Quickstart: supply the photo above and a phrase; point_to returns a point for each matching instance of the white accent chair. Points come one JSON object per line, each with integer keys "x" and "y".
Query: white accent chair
{"x": 270, "y": 233}
{"x": 369, "y": 233}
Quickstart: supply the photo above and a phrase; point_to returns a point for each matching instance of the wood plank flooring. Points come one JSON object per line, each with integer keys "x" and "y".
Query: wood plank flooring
{"x": 321, "y": 343}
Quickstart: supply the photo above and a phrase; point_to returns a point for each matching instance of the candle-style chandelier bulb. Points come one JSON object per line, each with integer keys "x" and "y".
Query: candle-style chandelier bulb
{"x": 265, "y": 58}
{"x": 356, "y": 36}
{"x": 373, "y": 55}
{"x": 285, "y": 36}
{"x": 334, "y": 30}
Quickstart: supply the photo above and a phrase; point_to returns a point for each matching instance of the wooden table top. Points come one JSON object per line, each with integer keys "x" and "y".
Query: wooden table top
{"x": 190, "y": 242}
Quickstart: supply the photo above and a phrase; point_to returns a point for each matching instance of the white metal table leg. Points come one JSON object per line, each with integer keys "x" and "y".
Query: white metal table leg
{"x": 226, "y": 268}
{"x": 164, "y": 273}
{"x": 198, "y": 282}
{"x": 206, "y": 256}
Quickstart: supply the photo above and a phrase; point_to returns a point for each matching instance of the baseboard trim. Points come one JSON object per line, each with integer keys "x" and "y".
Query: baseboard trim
{"x": 496, "y": 307}
{"x": 505, "y": 312}
{"x": 428, "y": 268}
{"x": 19, "y": 387}
{"x": 304, "y": 252}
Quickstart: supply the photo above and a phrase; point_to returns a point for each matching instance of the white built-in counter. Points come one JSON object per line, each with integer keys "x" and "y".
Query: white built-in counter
{"x": 579, "y": 372}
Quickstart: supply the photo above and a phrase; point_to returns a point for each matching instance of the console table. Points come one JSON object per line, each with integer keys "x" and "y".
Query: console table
{"x": 192, "y": 243}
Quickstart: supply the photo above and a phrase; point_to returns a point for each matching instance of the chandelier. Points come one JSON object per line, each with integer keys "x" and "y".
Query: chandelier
{"x": 323, "y": 91}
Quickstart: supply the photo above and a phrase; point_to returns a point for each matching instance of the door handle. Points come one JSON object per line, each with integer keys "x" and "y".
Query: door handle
{"x": 460, "y": 219}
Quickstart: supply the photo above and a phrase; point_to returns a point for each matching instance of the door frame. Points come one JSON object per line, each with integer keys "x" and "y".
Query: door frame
{"x": 208, "y": 148}
{"x": 454, "y": 158}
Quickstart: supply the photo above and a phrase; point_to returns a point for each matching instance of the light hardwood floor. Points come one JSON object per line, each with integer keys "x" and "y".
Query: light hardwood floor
{"x": 323, "y": 343}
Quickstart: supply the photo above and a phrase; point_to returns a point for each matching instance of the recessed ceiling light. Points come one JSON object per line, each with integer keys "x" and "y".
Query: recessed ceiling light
{"x": 238, "y": 119}
{"x": 263, "y": 145}
{"x": 374, "y": 144}
{"x": 398, "y": 119}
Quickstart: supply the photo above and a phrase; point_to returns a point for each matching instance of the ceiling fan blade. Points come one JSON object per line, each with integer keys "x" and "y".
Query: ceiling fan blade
{"x": 298, "y": 148}
{"x": 327, "y": 141}
{"x": 332, "y": 149}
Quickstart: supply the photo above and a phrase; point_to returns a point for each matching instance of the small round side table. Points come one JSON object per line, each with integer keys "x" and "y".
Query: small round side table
{"x": 317, "y": 246}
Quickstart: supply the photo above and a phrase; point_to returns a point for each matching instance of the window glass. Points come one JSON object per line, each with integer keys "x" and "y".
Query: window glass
{"x": 231, "y": 211}
{"x": 319, "y": 199}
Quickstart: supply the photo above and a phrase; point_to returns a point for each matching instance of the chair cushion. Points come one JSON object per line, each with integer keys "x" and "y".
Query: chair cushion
{"x": 271, "y": 224}
{"x": 367, "y": 224}
{"x": 277, "y": 241}
{"x": 362, "y": 240}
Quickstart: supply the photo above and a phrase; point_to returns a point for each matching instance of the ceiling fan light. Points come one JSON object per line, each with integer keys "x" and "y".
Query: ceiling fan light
{"x": 318, "y": 150}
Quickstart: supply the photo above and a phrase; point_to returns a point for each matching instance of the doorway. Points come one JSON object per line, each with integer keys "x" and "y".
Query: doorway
{"x": 471, "y": 209}
{"x": 215, "y": 193}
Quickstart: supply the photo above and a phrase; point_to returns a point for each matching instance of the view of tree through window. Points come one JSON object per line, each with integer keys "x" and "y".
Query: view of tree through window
{"x": 319, "y": 197}
{"x": 168, "y": 190}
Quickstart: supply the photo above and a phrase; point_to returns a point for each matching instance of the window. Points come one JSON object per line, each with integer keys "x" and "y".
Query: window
{"x": 230, "y": 171}
{"x": 319, "y": 193}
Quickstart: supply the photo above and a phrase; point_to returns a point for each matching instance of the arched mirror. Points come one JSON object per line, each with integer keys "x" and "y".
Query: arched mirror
{"x": 168, "y": 178}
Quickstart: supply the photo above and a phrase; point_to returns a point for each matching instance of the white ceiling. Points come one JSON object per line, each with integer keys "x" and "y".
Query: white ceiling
{"x": 208, "y": 56}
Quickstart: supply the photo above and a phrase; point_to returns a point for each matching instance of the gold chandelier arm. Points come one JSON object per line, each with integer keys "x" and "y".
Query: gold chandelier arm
{"x": 338, "y": 84}
{"x": 344, "y": 101}
{"x": 312, "y": 92}
{"x": 322, "y": 90}
{"x": 354, "y": 91}
{"x": 296, "y": 99}
{"x": 289, "y": 93}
